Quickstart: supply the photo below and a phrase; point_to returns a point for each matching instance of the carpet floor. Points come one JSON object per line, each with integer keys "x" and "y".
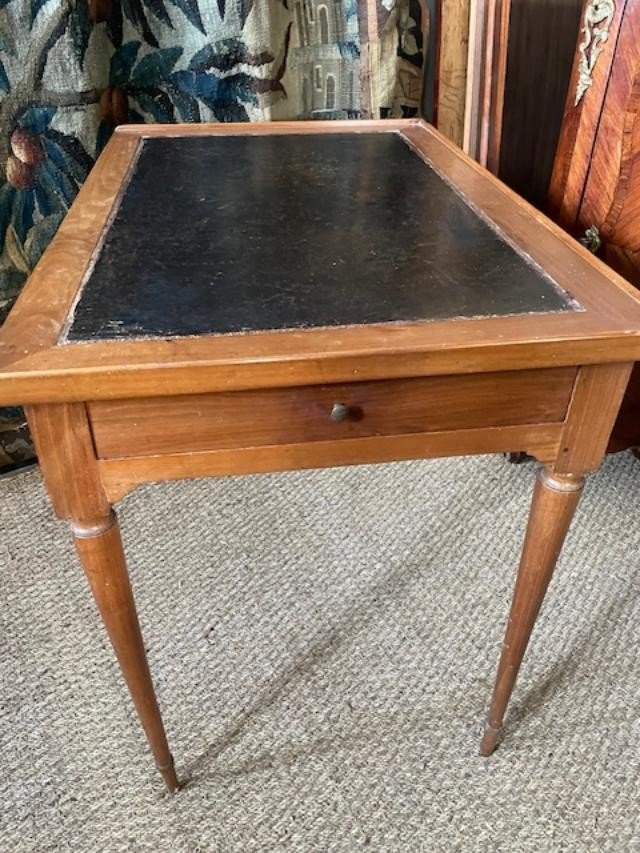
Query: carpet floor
{"x": 323, "y": 645}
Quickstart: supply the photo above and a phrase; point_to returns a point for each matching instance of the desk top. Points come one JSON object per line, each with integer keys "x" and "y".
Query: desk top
{"x": 247, "y": 233}
{"x": 199, "y": 258}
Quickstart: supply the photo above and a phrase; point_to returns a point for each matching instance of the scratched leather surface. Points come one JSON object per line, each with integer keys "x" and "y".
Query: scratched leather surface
{"x": 247, "y": 233}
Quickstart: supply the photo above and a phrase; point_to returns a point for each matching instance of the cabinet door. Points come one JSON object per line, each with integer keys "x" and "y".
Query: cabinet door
{"x": 596, "y": 173}
{"x": 594, "y": 61}
{"x": 611, "y": 199}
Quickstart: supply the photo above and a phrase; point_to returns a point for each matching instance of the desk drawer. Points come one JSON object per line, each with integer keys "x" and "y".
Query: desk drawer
{"x": 227, "y": 420}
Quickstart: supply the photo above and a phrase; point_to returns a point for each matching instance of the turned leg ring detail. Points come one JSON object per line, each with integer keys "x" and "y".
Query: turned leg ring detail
{"x": 91, "y": 531}
{"x": 560, "y": 482}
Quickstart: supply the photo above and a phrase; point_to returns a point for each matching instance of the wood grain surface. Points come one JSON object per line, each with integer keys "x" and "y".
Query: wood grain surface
{"x": 540, "y": 50}
{"x": 611, "y": 197}
{"x": 579, "y": 127}
{"x": 596, "y": 178}
{"x": 194, "y": 423}
{"x": 555, "y": 499}
{"x": 34, "y": 369}
{"x": 121, "y": 475}
{"x": 452, "y": 68}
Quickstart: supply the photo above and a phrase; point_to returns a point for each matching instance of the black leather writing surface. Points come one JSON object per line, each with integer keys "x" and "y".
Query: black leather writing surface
{"x": 223, "y": 234}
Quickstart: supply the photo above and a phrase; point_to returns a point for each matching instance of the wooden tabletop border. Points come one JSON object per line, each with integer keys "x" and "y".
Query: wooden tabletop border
{"x": 35, "y": 367}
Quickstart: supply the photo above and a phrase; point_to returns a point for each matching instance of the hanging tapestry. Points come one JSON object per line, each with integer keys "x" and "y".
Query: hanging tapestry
{"x": 71, "y": 70}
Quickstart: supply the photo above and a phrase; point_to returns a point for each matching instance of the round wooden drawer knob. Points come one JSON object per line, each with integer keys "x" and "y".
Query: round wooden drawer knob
{"x": 339, "y": 412}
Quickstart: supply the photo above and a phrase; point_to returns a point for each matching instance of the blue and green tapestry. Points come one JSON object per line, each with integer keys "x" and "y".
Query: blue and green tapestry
{"x": 71, "y": 70}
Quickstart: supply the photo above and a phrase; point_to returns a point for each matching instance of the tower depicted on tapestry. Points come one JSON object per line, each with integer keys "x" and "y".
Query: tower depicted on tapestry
{"x": 325, "y": 56}
{"x": 357, "y": 60}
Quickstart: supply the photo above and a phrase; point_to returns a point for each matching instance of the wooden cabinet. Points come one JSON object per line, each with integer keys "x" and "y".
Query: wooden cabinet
{"x": 595, "y": 186}
{"x": 540, "y": 45}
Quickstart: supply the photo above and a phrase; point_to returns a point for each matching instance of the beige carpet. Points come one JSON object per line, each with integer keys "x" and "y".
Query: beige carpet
{"x": 323, "y": 645}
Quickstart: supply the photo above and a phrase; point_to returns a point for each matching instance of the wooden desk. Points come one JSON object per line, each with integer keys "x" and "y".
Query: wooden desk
{"x": 226, "y": 299}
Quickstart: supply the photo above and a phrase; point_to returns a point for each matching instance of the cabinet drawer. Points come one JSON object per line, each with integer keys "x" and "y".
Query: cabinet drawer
{"x": 227, "y": 420}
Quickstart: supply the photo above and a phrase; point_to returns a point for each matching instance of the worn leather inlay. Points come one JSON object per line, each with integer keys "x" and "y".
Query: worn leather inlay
{"x": 225, "y": 234}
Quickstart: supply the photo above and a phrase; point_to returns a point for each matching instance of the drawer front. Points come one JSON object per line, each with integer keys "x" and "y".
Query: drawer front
{"x": 200, "y": 422}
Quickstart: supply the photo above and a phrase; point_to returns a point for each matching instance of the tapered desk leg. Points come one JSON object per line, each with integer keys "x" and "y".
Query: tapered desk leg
{"x": 555, "y": 498}
{"x": 100, "y": 549}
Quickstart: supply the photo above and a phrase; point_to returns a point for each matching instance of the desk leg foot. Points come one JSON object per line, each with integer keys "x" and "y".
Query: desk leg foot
{"x": 490, "y": 740}
{"x": 168, "y": 773}
{"x": 555, "y": 499}
{"x": 99, "y": 547}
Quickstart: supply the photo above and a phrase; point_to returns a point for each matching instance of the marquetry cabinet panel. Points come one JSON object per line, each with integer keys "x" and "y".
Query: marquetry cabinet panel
{"x": 595, "y": 187}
